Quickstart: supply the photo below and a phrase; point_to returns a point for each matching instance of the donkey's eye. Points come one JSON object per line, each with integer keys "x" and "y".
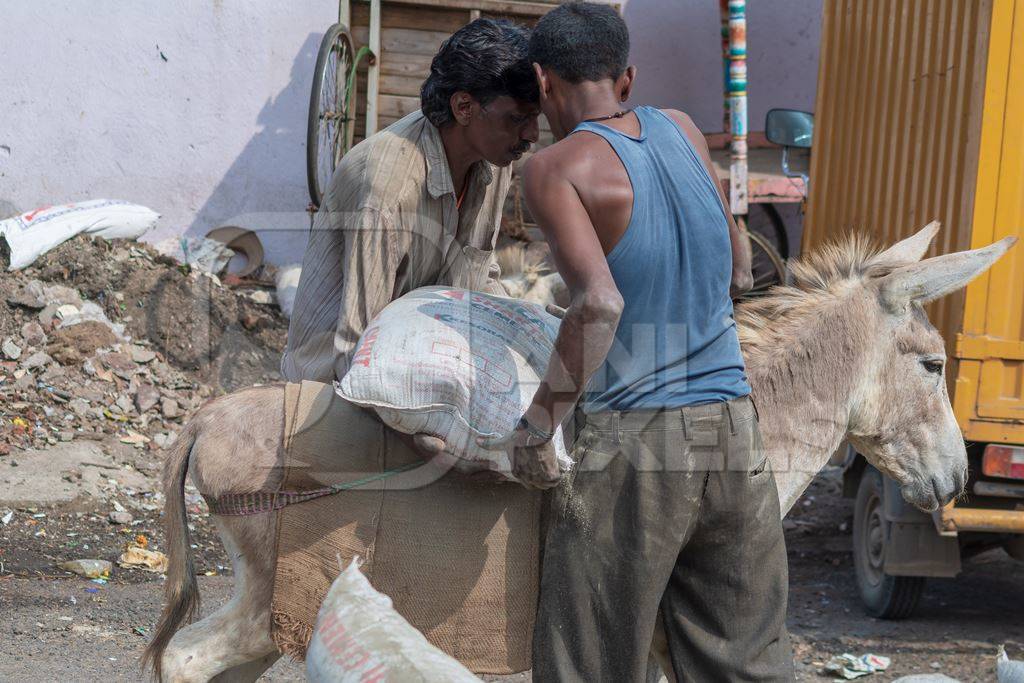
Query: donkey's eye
{"x": 933, "y": 366}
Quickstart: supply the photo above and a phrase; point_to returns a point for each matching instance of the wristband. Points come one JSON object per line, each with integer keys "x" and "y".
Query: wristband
{"x": 534, "y": 432}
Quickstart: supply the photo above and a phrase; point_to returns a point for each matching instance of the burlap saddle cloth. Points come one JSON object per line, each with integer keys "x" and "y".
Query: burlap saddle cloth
{"x": 459, "y": 558}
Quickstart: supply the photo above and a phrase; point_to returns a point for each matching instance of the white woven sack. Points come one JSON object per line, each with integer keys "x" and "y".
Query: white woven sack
{"x": 360, "y": 637}
{"x": 32, "y": 234}
{"x": 455, "y": 364}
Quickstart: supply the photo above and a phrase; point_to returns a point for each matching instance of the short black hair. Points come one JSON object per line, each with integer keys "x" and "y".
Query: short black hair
{"x": 581, "y": 41}
{"x": 486, "y": 58}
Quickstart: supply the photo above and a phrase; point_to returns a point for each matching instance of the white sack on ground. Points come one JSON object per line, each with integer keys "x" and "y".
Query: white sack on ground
{"x": 32, "y": 234}
{"x": 1008, "y": 670}
{"x": 360, "y": 637}
{"x": 287, "y": 283}
{"x": 455, "y": 364}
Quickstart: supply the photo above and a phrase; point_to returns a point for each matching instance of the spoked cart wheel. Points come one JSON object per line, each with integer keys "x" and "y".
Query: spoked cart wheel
{"x": 332, "y": 110}
{"x": 769, "y": 248}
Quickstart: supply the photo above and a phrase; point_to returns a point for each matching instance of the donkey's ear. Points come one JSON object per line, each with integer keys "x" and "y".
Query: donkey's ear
{"x": 937, "y": 277}
{"x": 912, "y": 249}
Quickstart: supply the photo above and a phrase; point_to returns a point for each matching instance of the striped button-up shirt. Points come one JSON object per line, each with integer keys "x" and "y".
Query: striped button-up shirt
{"x": 388, "y": 224}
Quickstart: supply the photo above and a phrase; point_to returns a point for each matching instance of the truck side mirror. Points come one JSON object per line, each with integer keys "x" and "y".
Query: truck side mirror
{"x": 789, "y": 128}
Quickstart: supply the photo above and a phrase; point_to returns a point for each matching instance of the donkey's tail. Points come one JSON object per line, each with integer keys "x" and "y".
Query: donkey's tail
{"x": 181, "y": 592}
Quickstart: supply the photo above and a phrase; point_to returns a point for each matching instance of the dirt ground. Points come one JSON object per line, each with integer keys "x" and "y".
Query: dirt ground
{"x": 58, "y": 626}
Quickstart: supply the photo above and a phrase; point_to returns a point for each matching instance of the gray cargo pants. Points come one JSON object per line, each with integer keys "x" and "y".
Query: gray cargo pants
{"x": 675, "y": 510}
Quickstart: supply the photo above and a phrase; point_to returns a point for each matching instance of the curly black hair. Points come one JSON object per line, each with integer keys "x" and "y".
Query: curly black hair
{"x": 487, "y": 59}
{"x": 581, "y": 41}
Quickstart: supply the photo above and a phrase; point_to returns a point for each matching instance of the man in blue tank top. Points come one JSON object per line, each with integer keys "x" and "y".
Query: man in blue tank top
{"x": 670, "y": 508}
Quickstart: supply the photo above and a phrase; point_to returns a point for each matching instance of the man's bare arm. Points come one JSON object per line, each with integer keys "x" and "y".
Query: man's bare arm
{"x": 590, "y": 321}
{"x": 588, "y": 326}
{"x": 742, "y": 279}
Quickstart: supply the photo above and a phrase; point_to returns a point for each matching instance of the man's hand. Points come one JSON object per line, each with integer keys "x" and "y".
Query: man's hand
{"x": 432, "y": 449}
{"x": 427, "y": 446}
{"x": 534, "y": 463}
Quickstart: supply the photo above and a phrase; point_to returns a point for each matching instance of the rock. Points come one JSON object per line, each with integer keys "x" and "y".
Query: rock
{"x": 261, "y": 296}
{"x": 33, "y": 334}
{"x": 53, "y": 373}
{"x": 142, "y": 355}
{"x": 10, "y": 349}
{"x": 120, "y": 517}
{"x": 28, "y": 296}
{"x": 62, "y": 296}
{"x": 120, "y": 363}
{"x": 146, "y": 398}
{"x": 70, "y": 345}
{"x": 92, "y": 312}
{"x": 36, "y": 360}
{"x": 65, "y": 311}
{"x": 90, "y": 569}
{"x": 169, "y": 408}
{"x": 48, "y": 316}
{"x": 124, "y": 404}
{"x": 91, "y": 393}
{"x": 66, "y": 436}
{"x": 79, "y": 407}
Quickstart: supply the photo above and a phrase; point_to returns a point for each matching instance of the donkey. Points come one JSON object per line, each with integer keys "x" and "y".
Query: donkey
{"x": 845, "y": 352}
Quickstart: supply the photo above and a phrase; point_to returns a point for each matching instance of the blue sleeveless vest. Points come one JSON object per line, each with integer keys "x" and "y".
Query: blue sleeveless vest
{"x": 676, "y": 342}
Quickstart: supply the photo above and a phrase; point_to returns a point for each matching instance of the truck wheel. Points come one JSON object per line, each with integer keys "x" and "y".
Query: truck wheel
{"x": 884, "y": 596}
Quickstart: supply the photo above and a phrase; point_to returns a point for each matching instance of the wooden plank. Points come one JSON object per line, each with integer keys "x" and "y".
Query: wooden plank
{"x": 394, "y": 106}
{"x": 408, "y": 41}
{"x": 401, "y": 64}
{"x": 373, "y": 73}
{"x": 404, "y": 86}
{"x": 513, "y": 7}
{"x": 418, "y": 18}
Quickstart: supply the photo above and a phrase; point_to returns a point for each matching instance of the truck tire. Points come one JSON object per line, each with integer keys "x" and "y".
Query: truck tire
{"x": 884, "y": 596}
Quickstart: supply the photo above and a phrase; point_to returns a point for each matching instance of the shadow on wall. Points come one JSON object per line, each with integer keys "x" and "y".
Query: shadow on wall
{"x": 250, "y": 193}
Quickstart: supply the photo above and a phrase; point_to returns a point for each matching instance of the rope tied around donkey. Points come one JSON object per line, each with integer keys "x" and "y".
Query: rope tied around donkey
{"x": 240, "y": 504}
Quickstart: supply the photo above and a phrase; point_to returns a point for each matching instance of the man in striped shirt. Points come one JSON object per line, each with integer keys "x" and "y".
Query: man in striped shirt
{"x": 420, "y": 202}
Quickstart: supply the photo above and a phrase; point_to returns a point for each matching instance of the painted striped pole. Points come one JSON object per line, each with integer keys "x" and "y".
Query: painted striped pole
{"x": 734, "y": 57}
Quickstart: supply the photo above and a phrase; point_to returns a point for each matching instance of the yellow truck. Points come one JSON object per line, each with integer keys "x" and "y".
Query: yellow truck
{"x": 920, "y": 116}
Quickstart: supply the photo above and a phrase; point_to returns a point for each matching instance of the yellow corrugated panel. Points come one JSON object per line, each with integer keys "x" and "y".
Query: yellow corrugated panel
{"x": 898, "y": 118}
{"x": 989, "y": 399}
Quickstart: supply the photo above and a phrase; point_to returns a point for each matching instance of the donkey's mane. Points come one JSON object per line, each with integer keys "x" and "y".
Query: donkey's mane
{"x": 769, "y": 322}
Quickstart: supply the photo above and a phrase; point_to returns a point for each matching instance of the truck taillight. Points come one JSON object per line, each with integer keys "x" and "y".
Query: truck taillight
{"x": 1003, "y": 461}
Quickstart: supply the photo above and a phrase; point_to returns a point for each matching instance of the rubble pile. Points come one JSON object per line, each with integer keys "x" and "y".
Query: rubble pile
{"x": 105, "y": 338}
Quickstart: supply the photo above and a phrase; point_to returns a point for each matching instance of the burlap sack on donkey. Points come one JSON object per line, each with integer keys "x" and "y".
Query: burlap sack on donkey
{"x": 458, "y": 558}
